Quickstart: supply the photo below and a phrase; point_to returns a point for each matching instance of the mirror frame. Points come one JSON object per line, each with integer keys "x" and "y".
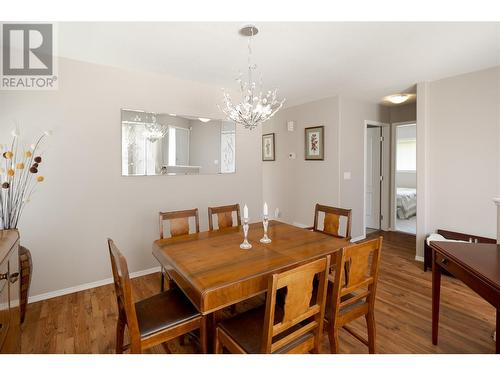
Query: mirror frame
{"x": 173, "y": 174}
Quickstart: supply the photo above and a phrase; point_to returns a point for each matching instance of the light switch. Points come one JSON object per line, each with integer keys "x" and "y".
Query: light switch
{"x": 347, "y": 175}
{"x": 277, "y": 213}
{"x": 290, "y": 125}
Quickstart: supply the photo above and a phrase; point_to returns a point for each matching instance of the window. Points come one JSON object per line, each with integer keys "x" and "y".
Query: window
{"x": 172, "y": 146}
{"x": 406, "y": 148}
{"x": 227, "y": 150}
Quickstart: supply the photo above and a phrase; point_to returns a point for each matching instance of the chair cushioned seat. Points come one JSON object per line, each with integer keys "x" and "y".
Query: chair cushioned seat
{"x": 163, "y": 311}
{"x": 247, "y": 330}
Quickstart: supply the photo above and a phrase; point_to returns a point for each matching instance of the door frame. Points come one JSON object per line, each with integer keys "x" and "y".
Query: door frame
{"x": 393, "y": 170}
{"x": 385, "y": 163}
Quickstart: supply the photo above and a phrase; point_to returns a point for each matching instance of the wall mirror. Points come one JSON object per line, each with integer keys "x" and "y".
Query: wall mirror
{"x": 169, "y": 144}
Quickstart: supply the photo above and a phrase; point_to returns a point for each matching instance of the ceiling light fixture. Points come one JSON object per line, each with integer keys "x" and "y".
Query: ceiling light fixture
{"x": 202, "y": 119}
{"x": 397, "y": 98}
{"x": 255, "y": 107}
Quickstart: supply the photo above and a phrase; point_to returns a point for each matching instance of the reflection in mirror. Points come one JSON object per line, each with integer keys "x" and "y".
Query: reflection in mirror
{"x": 155, "y": 144}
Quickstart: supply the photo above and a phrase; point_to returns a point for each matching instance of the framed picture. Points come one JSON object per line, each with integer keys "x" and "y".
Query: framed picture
{"x": 314, "y": 143}
{"x": 268, "y": 147}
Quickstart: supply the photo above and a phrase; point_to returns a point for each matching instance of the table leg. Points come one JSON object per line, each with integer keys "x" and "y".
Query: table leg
{"x": 436, "y": 290}
{"x": 211, "y": 321}
{"x": 498, "y": 332}
{"x": 203, "y": 335}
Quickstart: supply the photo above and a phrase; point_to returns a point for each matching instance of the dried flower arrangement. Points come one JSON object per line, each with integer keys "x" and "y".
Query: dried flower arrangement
{"x": 19, "y": 178}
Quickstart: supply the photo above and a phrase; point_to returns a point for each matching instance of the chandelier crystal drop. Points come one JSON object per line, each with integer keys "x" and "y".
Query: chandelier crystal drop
{"x": 256, "y": 106}
{"x": 154, "y": 130}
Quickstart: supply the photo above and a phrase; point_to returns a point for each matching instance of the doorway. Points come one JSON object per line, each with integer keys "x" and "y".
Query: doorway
{"x": 373, "y": 177}
{"x": 377, "y": 157}
{"x": 404, "y": 172}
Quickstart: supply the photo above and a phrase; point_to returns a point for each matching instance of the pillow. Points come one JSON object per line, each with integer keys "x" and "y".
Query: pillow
{"x": 438, "y": 237}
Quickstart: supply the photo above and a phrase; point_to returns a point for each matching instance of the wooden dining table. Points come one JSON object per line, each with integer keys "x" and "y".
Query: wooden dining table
{"x": 213, "y": 272}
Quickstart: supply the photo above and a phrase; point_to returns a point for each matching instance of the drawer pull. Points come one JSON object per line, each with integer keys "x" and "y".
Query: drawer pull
{"x": 4, "y": 276}
{"x": 13, "y": 278}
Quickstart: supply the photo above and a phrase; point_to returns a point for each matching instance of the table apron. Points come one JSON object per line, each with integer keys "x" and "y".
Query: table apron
{"x": 209, "y": 301}
{"x": 213, "y": 300}
{"x": 486, "y": 291}
{"x": 185, "y": 286}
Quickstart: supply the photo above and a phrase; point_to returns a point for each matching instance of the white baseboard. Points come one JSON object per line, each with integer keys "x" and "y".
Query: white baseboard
{"x": 94, "y": 284}
{"x": 300, "y": 225}
{"x": 359, "y": 238}
{"x": 419, "y": 258}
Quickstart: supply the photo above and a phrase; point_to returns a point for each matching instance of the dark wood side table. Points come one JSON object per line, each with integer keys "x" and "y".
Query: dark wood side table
{"x": 449, "y": 235}
{"x": 475, "y": 264}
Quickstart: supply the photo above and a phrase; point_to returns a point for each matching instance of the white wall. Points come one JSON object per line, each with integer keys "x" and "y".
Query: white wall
{"x": 85, "y": 199}
{"x": 296, "y": 185}
{"x": 406, "y": 179}
{"x": 204, "y": 147}
{"x": 464, "y": 152}
{"x": 353, "y": 114}
{"x": 403, "y": 113}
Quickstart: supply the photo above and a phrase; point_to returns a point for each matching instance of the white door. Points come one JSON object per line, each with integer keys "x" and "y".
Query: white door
{"x": 372, "y": 199}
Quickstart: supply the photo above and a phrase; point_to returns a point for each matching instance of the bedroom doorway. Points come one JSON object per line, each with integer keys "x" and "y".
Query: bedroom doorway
{"x": 405, "y": 177}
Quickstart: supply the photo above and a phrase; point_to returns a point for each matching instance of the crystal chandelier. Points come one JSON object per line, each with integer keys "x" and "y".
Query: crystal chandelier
{"x": 154, "y": 130}
{"x": 255, "y": 107}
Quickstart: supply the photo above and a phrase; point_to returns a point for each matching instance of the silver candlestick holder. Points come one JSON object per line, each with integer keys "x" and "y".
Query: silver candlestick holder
{"x": 265, "y": 224}
{"x": 245, "y": 244}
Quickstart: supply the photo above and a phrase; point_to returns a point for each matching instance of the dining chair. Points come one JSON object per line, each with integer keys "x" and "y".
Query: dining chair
{"x": 179, "y": 222}
{"x": 154, "y": 320}
{"x": 224, "y": 220}
{"x": 179, "y": 226}
{"x": 331, "y": 222}
{"x": 294, "y": 328}
{"x": 351, "y": 295}
{"x": 224, "y": 216}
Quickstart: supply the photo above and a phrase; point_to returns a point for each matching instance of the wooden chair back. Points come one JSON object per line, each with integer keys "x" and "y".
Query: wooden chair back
{"x": 331, "y": 223}
{"x": 224, "y": 216}
{"x": 179, "y": 222}
{"x": 299, "y": 306}
{"x": 123, "y": 291}
{"x": 355, "y": 279}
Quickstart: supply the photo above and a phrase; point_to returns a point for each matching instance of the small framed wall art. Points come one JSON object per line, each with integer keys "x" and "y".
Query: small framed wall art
{"x": 268, "y": 147}
{"x": 314, "y": 143}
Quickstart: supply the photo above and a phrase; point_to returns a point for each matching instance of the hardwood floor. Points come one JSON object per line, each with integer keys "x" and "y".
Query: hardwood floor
{"x": 84, "y": 322}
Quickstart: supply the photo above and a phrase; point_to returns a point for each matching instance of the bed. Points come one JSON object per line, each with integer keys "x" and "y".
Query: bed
{"x": 406, "y": 203}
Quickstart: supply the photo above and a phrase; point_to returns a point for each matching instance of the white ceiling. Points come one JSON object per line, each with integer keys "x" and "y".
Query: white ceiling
{"x": 306, "y": 61}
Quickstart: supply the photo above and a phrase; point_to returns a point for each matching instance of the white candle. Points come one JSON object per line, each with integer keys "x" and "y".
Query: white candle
{"x": 265, "y": 209}
{"x": 245, "y": 212}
